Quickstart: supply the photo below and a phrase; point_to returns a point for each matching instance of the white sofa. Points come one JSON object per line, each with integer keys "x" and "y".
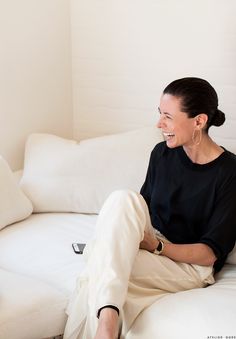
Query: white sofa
{"x": 64, "y": 184}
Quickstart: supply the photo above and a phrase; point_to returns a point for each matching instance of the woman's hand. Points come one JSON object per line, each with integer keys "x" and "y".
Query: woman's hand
{"x": 149, "y": 242}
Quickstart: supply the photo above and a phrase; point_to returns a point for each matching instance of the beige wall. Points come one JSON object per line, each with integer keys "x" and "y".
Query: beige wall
{"x": 124, "y": 53}
{"x": 35, "y": 73}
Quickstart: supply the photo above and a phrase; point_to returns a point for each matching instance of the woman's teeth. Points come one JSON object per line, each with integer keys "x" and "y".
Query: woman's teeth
{"x": 168, "y": 135}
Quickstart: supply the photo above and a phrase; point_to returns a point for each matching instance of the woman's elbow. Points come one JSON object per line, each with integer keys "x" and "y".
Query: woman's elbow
{"x": 209, "y": 256}
{"x": 209, "y": 261}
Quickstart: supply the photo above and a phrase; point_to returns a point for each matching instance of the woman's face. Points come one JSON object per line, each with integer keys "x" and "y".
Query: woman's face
{"x": 176, "y": 126}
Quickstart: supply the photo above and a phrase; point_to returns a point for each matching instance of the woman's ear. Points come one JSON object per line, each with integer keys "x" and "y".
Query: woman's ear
{"x": 201, "y": 120}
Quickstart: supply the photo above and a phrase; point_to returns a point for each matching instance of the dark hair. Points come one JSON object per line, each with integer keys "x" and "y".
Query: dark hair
{"x": 197, "y": 96}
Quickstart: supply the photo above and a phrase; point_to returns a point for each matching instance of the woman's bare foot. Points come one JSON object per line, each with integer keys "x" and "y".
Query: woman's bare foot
{"x": 107, "y": 324}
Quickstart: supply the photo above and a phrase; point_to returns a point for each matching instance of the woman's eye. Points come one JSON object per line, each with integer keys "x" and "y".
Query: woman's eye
{"x": 167, "y": 116}
{"x": 164, "y": 115}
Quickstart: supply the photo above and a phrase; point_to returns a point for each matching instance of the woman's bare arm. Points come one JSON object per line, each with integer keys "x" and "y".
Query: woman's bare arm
{"x": 199, "y": 253}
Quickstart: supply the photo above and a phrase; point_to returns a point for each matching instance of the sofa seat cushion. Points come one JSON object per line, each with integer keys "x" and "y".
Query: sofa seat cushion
{"x": 29, "y": 308}
{"x": 40, "y": 247}
{"x": 195, "y": 314}
{"x": 226, "y": 278}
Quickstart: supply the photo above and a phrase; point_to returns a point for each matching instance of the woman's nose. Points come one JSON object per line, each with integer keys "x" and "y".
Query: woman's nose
{"x": 159, "y": 122}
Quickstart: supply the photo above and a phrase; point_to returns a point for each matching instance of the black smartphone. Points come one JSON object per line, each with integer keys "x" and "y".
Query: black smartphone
{"x": 78, "y": 248}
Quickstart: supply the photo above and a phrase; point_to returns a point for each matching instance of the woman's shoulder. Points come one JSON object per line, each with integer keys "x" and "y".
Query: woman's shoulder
{"x": 159, "y": 147}
{"x": 228, "y": 165}
{"x": 159, "y": 150}
{"x": 162, "y": 149}
{"x": 229, "y": 158}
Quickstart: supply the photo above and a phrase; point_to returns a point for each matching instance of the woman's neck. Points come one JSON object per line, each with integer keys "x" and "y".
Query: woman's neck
{"x": 205, "y": 152}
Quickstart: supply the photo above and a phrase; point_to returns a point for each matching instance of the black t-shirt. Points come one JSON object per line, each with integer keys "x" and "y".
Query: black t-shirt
{"x": 193, "y": 203}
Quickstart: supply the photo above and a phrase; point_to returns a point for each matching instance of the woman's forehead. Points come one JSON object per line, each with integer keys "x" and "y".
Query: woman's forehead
{"x": 170, "y": 102}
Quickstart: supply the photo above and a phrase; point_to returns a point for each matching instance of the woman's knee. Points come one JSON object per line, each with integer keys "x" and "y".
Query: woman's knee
{"x": 125, "y": 194}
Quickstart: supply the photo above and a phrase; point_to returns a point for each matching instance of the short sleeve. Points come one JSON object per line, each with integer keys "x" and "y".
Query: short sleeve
{"x": 220, "y": 232}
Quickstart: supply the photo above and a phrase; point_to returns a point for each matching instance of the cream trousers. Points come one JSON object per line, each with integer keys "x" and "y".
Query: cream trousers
{"x": 119, "y": 273}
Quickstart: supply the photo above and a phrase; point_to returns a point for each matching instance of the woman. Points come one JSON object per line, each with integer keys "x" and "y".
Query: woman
{"x": 174, "y": 235}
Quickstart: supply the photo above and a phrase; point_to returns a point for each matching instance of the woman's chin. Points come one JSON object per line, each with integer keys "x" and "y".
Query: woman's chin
{"x": 171, "y": 143}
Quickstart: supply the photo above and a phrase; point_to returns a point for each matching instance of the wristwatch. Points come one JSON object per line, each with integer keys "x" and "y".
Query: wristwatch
{"x": 159, "y": 248}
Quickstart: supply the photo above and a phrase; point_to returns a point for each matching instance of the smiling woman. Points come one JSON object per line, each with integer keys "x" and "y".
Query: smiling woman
{"x": 172, "y": 237}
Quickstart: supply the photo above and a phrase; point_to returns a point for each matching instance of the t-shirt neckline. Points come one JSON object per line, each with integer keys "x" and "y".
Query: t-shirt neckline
{"x": 189, "y": 163}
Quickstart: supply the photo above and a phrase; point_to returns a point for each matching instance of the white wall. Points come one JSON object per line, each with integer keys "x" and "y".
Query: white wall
{"x": 124, "y": 53}
{"x": 35, "y": 73}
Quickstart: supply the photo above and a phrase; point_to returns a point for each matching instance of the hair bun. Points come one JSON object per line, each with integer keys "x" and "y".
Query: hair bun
{"x": 218, "y": 118}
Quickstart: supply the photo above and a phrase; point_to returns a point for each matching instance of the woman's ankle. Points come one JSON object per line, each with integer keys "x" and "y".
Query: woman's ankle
{"x": 107, "y": 324}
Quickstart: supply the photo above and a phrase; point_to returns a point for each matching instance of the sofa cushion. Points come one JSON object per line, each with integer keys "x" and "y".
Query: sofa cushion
{"x": 198, "y": 313}
{"x": 231, "y": 259}
{"x": 38, "y": 272}
{"x": 29, "y": 308}
{"x": 48, "y": 256}
{"x": 14, "y": 205}
{"x": 62, "y": 175}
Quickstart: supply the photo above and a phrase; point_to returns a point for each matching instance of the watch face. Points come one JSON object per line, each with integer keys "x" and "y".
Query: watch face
{"x": 159, "y": 247}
